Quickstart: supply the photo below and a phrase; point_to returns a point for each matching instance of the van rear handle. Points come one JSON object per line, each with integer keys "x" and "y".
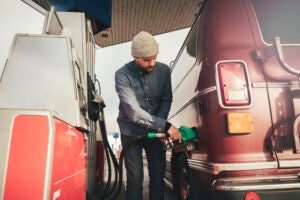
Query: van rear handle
{"x": 283, "y": 63}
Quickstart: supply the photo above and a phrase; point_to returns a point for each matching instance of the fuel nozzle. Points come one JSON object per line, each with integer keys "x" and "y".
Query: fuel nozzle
{"x": 189, "y": 137}
{"x": 187, "y": 134}
{"x": 156, "y": 135}
{"x": 167, "y": 143}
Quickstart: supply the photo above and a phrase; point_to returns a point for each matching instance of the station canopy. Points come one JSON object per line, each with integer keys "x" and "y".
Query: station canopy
{"x": 117, "y": 21}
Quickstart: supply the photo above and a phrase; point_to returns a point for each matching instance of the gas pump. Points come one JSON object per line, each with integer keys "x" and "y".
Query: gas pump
{"x": 48, "y": 131}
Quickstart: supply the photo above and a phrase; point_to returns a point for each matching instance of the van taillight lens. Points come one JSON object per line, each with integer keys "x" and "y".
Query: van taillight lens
{"x": 252, "y": 196}
{"x": 233, "y": 84}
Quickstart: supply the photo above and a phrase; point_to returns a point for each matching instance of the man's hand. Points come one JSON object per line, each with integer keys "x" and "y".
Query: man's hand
{"x": 174, "y": 133}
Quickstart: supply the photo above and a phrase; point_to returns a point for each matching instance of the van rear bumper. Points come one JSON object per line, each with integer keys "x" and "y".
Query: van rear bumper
{"x": 271, "y": 187}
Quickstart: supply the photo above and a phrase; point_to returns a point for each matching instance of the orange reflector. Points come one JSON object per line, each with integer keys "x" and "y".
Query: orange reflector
{"x": 252, "y": 196}
{"x": 239, "y": 123}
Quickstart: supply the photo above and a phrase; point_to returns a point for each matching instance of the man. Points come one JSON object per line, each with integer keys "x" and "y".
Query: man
{"x": 144, "y": 89}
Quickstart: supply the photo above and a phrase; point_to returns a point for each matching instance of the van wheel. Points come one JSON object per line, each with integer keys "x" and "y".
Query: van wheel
{"x": 183, "y": 175}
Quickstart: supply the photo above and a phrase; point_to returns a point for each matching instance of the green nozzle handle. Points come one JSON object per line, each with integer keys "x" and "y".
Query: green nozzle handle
{"x": 187, "y": 134}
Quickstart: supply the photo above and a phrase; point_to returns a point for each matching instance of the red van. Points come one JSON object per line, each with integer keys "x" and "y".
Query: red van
{"x": 236, "y": 82}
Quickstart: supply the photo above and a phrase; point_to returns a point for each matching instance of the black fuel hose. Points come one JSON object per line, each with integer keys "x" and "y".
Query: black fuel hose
{"x": 109, "y": 190}
{"x": 116, "y": 188}
{"x": 114, "y": 192}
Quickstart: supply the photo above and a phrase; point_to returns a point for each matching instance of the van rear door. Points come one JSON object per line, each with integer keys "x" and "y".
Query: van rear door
{"x": 279, "y": 26}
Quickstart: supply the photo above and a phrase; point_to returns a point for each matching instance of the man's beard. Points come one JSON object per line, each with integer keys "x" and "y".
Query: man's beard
{"x": 149, "y": 68}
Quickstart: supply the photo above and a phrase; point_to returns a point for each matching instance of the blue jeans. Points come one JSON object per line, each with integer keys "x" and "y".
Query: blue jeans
{"x": 156, "y": 158}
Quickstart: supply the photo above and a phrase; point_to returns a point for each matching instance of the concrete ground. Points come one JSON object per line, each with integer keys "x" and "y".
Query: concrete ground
{"x": 169, "y": 195}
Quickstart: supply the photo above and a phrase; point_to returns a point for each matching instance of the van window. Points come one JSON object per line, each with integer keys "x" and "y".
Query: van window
{"x": 186, "y": 59}
{"x": 192, "y": 42}
{"x": 278, "y": 18}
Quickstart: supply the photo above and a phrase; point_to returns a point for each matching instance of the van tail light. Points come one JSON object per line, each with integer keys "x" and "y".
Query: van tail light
{"x": 233, "y": 84}
{"x": 252, "y": 196}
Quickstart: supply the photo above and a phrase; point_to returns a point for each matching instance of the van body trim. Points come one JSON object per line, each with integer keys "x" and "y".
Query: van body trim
{"x": 275, "y": 85}
{"x": 216, "y": 168}
{"x": 289, "y": 163}
{"x": 193, "y": 98}
{"x": 258, "y": 183}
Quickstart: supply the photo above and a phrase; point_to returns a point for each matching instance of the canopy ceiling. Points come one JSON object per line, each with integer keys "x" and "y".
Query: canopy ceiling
{"x": 128, "y": 17}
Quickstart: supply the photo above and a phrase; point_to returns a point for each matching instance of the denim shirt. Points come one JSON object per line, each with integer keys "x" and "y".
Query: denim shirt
{"x": 145, "y": 98}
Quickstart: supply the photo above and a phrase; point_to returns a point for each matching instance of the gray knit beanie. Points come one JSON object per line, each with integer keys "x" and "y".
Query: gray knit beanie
{"x": 144, "y": 45}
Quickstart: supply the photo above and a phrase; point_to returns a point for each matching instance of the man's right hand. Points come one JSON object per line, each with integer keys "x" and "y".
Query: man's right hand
{"x": 174, "y": 133}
